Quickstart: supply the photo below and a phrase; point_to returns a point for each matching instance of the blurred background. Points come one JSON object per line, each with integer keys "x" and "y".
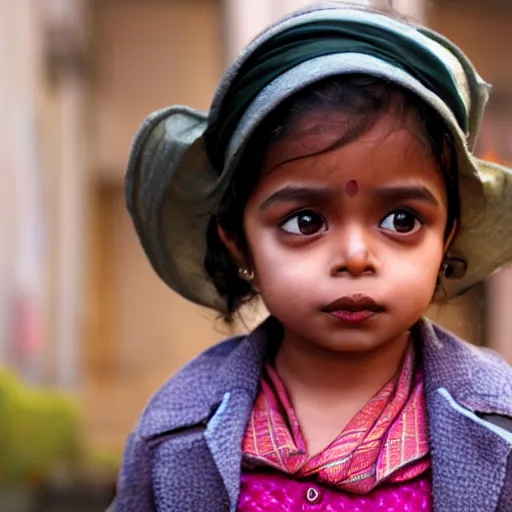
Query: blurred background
{"x": 87, "y": 330}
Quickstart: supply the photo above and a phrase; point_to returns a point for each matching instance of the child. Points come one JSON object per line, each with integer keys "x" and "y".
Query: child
{"x": 333, "y": 177}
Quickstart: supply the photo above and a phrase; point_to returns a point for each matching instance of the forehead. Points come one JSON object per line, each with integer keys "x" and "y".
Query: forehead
{"x": 393, "y": 149}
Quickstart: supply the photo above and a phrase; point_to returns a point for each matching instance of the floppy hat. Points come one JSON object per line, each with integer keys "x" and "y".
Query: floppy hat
{"x": 182, "y": 160}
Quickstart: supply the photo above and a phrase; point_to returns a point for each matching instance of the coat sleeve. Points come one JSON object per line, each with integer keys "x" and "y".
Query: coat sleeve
{"x": 134, "y": 486}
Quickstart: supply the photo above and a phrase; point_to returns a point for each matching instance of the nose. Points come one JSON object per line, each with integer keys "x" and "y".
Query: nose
{"x": 353, "y": 254}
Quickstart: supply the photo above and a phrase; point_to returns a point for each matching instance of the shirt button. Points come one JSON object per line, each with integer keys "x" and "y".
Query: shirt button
{"x": 313, "y": 496}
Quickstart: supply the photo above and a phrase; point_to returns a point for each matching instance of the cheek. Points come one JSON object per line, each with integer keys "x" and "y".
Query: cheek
{"x": 280, "y": 271}
{"x": 271, "y": 260}
{"x": 415, "y": 274}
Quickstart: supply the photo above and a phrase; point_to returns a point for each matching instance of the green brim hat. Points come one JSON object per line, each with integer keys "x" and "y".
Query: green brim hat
{"x": 182, "y": 160}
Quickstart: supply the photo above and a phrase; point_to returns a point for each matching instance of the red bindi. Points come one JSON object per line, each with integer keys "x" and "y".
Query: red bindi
{"x": 351, "y": 188}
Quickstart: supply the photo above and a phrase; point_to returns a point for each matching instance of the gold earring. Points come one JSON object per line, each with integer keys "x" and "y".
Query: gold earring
{"x": 246, "y": 274}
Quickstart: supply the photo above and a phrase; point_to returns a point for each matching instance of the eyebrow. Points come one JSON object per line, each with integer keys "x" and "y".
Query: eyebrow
{"x": 293, "y": 193}
{"x": 407, "y": 192}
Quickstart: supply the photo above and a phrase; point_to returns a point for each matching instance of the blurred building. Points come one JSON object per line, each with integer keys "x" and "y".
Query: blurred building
{"x": 80, "y": 307}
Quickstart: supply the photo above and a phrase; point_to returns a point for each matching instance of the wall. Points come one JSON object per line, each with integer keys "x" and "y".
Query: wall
{"x": 138, "y": 332}
{"x": 149, "y": 55}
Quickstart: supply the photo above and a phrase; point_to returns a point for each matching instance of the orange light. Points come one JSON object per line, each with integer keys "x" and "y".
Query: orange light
{"x": 491, "y": 156}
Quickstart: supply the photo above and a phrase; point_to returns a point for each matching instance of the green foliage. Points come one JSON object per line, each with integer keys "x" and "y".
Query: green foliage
{"x": 39, "y": 432}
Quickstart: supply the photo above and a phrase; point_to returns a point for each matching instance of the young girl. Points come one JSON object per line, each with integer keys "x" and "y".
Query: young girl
{"x": 333, "y": 177}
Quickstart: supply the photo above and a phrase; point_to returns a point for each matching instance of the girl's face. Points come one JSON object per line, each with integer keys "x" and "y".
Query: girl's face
{"x": 347, "y": 244}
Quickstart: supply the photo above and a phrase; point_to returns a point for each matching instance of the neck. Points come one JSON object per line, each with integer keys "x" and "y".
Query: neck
{"x": 330, "y": 376}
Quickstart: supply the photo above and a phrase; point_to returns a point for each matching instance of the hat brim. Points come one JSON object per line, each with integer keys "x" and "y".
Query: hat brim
{"x": 171, "y": 194}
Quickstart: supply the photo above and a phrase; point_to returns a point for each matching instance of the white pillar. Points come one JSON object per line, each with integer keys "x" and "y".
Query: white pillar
{"x": 22, "y": 290}
{"x": 244, "y": 19}
{"x": 65, "y": 20}
{"x": 415, "y": 9}
{"x": 7, "y": 177}
{"x": 8, "y": 218}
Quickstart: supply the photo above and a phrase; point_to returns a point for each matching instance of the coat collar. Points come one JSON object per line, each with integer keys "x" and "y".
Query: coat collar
{"x": 475, "y": 377}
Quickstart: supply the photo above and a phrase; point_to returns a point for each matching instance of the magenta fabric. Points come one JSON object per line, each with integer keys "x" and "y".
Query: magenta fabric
{"x": 265, "y": 492}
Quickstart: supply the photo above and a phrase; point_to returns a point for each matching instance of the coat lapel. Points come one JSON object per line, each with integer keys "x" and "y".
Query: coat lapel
{"x": 469, "y": 455}
{"x": 469, "y": 460}
{"x": 238, "y": 380}
{"x": 224, "y": 434}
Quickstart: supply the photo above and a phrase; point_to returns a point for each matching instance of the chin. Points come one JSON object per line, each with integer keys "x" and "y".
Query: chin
{"x": 365, "y": 337}
{"x": 354, "y": 345}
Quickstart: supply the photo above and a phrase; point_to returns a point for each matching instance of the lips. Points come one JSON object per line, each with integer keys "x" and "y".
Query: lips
{"x": 354, "y": 308}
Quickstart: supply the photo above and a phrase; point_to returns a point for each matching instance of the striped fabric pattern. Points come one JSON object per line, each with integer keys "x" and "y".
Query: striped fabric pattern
{"x": 387, "y": 441}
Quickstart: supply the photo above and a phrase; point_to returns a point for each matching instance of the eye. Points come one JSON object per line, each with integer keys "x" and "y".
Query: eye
{"x": 401, "y": 221}
{"x": 304, "y": 223}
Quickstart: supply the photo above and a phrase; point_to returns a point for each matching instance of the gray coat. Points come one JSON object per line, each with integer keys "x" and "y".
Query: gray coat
{"x": 185, "y": 453}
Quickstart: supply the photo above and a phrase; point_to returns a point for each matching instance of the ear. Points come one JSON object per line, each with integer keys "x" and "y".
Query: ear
{"x": 231, "y": 241}
{"x": 449, "y": 238}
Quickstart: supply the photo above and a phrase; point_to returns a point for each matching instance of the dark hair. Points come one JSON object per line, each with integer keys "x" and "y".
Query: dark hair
{"x": 365, "y": 99}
